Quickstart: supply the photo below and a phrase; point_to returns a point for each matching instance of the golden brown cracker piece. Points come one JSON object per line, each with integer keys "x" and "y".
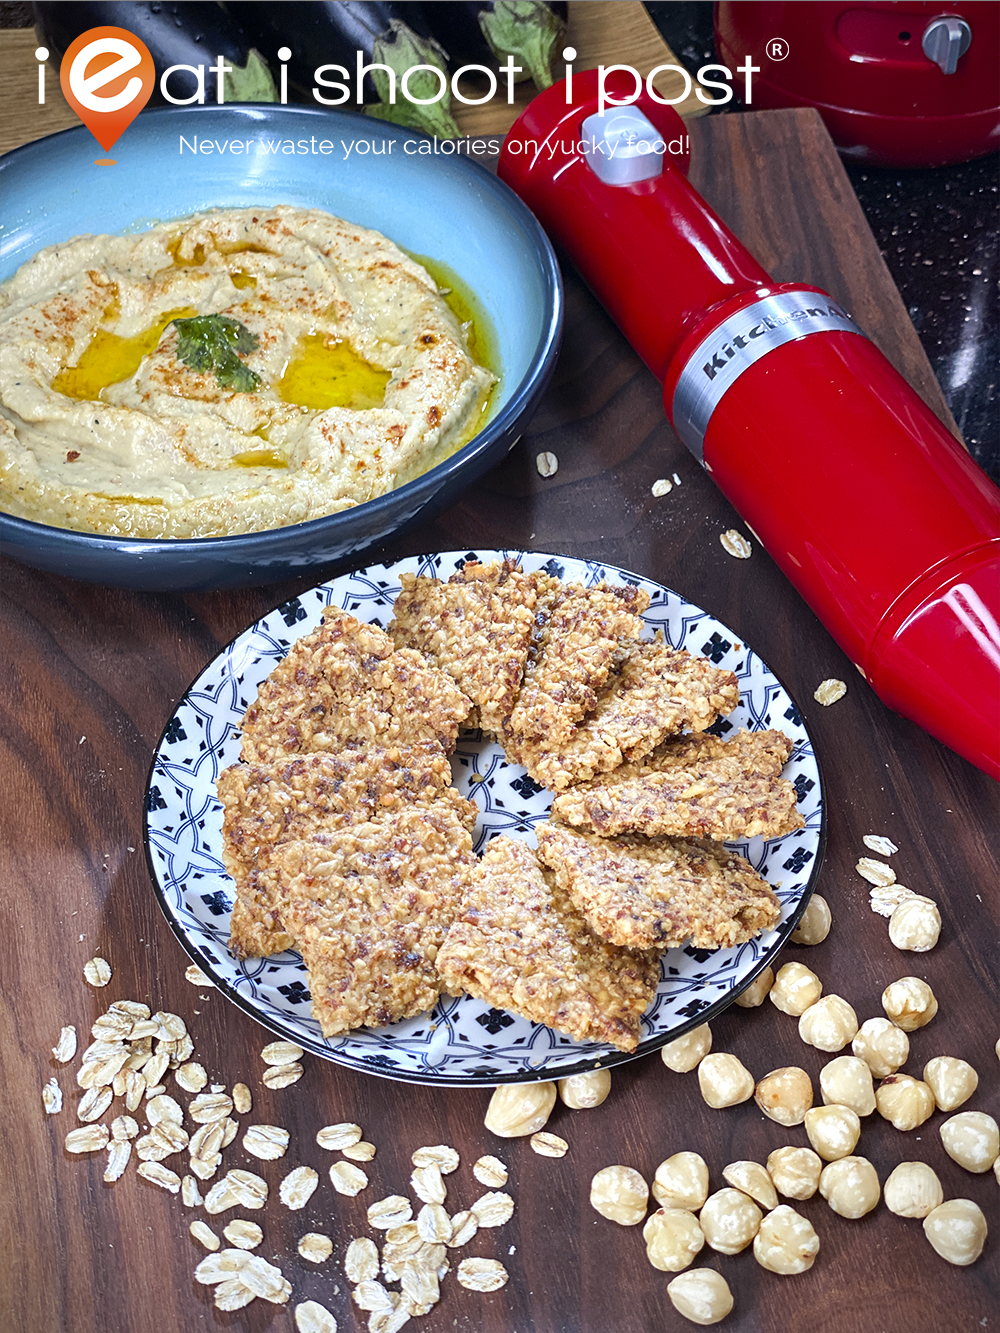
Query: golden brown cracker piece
{"x": 698, "y": 787}
{"x": 643, "y": 893}
{"x": 346, "y": 684}
{"x": 520, "y": 944}
{"x": 291, "y": 799}
{"x": 659, "y": 692}
{"x": 477, "y": 627}
{"x": 368, "y": 907}
{"x": 583, "y": 631}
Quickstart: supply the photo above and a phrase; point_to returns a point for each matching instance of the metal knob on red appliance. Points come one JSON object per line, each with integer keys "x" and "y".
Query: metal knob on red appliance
{"x": 867, "y": 503}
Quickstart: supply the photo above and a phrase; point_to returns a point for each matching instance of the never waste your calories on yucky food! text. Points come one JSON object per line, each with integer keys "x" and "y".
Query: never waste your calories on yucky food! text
{"x": 341, "y": 148}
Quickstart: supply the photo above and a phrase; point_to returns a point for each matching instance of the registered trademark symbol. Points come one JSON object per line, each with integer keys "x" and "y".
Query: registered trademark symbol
{"x": 777, "y": 48}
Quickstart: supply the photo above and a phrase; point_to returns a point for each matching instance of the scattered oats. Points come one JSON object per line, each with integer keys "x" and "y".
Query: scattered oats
{"x": 463, "y": 1227}
{"x": 361, "y": 1261}
{"x": 119, "y": 1083}
{"x": 444, "y": 1158}
{"x": 884, "y": 899}
{"x": 168, "y": 1132}
{"x": 243, "y": 1234}
{"x": 734, "y": 543}
{"x": 282, "y": 1076}
{"x": 386, "y": 1321}
{"x": 52, "y": 1097}
{"x": 210, "y": 1106}
{"x": 89, "y": 1138}
{"x": 220, "y": 1267}
{"x": 267, "y": 1142}
{"x": 219, "y": 1197}
{"x": 141, "y": 1029}
{"x": 827, "y": 692}
{"x": 549, "y": 1145}
{"x": 123, "y": 1127}
{"x": 232, "y": 1295}
{"x": 433, "y": 1223}
{"x": 420, "y": 1284}
{"x": 197, "y": 977}
{"x": 160, "y": 1175}
{"x": 265, "y": 1280}
{"x": 191, "y": 1077}
{"x": 217, "y": 1087}
{"x": 164, "y": 1108}
{"x": 206, "y": 1142}
{"x": 205, "y": 1168}
{"x": 134, "y": 1009}
{"x": 97, "y": 972}
{"x": 65, "y": 1047}
{"x": 876, "y": 872}
{"x": 241, "y": 1098}
{"x": 281, "y": 1053}
{"x": 154, "y": 1069}
{"x": 348, "y": 1179}
{"x": 93, "y": 1104}
{"x": 427, "y": 1184}
{"x": 297, "y": 1187}
{"x": 490, "y": 1171}
{"x": 662, "y": 487}
{"x": 156, "y": 1090}
{"x": 317, "y": 1248}
{"x": 387, "y": 1213}
{"x": 119, "y": 1152}
{"x": 482, "y": 1274}
{"x": 875, "y": 843}
{"x": 547, "y": 464}
{"x": 311, "y": 1317}
{"x": 113, "y": 1025}
{"x": 249, "y": 1190}
{"x": 359, "y": 1152}
{"x": 204, "y": 1234}
{"x": 171, "y": 1026}
{"x": 190, "y": 1193}
{"x": 333, "y": 1137}
{"x": 135, "y": 1086}
{"x": 493, "y": 1210}
{"x": 230, "y": 1128}
{"x": 371, "y": 1295}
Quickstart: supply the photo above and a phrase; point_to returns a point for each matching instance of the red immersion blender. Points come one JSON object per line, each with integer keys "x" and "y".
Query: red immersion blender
{"x": 868, "y": 504}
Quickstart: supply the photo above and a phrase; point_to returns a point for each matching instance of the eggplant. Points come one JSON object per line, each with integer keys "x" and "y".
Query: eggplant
{"x": 486, "y": 34}
{"x": 332, "y": 32}
{"x": 176, "y": 34}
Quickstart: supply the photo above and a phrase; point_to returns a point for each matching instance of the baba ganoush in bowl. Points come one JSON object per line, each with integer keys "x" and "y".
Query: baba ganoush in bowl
{"x": 225, "y": 367}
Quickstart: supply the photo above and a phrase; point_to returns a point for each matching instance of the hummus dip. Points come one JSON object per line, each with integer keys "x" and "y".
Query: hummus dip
{"x": 365, "y": 377}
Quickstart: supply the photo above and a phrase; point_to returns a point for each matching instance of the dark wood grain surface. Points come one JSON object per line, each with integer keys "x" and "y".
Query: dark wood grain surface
{"x": 90, "y": 676}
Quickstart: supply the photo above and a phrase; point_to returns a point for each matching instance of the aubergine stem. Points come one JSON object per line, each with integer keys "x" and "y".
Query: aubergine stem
{"x": 529, "y": 31}
{"x": 401, "y": 49}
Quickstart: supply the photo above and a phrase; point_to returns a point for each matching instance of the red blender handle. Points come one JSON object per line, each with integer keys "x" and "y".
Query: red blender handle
{"x": 867, "y": 503}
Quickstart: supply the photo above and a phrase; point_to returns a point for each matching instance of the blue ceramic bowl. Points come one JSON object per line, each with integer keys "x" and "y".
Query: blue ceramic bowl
{"x": 443, "y": 206}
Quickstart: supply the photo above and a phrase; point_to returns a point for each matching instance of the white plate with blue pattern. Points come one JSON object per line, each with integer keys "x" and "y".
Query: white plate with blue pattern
{"x": 462, "y": 1041}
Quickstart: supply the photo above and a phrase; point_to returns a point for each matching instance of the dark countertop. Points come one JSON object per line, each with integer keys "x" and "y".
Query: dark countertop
{"x": 937, "y": 231}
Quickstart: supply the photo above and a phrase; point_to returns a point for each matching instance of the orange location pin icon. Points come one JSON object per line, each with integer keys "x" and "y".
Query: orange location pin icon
{"x": 107, "y": 76}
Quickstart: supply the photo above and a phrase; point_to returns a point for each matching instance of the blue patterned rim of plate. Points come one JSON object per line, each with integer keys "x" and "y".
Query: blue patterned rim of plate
{"x": 462, "y": 1042}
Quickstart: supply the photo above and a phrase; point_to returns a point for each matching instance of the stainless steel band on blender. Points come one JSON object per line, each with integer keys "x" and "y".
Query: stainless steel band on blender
{"x": 721, "y": 358}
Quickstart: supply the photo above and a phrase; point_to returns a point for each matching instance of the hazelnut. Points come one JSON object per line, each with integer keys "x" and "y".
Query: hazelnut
{"x": 795, "y": 988}
{"x": 685, "y": 1053}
